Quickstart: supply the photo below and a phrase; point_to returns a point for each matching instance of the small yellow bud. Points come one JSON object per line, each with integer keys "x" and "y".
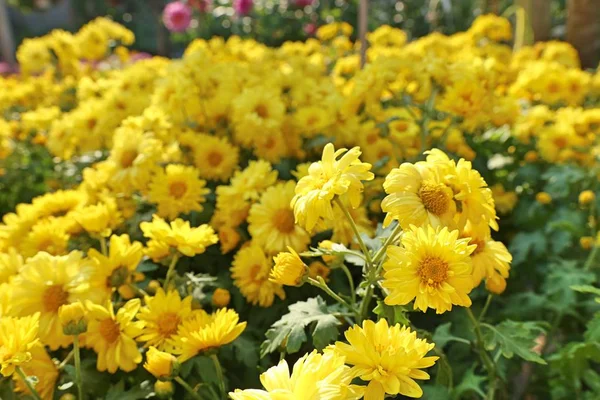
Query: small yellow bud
{"x": 126, "y": 292}
{"x": 586, "y": 197}
{"x": 163, "y": 366}
{"x": 531, "y": 156}
{"x": 289, "y": 269}
{"x": 586, "y": 242}
{"x": 543, "y": 198}
{"x": 221, "y": 297}
{"x": 72, "y": 318}
{"x": 229, "y": 238}
{"x": 327, "y": 245}
{"x": 495, "y": 284}
{"x": 68, "y": 396}
{"x": 153, "y": 286}
{"x": 164, "y": 389}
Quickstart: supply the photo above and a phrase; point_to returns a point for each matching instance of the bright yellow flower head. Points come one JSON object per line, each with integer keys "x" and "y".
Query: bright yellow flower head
{"x": 17, "y": 338}
{"x": 390, "y": 358}
{"x": 72, "y": 318}
{"x": 178, "y": 235}
{"x": 206, "y": 331}
{"x": 586, "y": 197}
{"x": 112, "y": 336}
{"x": 326, "y": 179}
{"x": 49, "y": 236}
{"x": 43, "y": 368}
{"x": 432, "y": 267}
{"x": 216, "y": 158}
{"x": 10, "y": 264}
{"x": 99, "y": 219}
{"x": 314, "y": 376}
{"x": 163, "y": 366}
{"x": 250, "y": 273}
{"x": 289, "y": 269}
{"x": 163, "y": 314}
{"x": 45, "y": 284}
{"x": 271, "y": 220}
{"x": 177, "y": 190}
{"x": 505, "y": 200}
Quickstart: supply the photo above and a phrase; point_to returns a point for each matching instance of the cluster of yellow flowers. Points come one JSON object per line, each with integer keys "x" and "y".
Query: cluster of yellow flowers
{"x": 225, "y": 135}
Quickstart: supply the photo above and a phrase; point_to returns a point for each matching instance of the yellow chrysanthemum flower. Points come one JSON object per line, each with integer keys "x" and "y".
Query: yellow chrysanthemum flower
{"x": 206, "y": 331}
{"x": 177, "y": 190}
{"x": 215, "y": 157}
{"x": 250, "y": 273}
{"x": 432, "y": 267}
{"x": 178, "y": 235}
{"x": 271, "y": 221}
{"x": 163, "y": 314}
{"x": 112, "y": 336}
{"x": 17, "y": 338}
{"x": 390, "y": 358}
{"x": 117, "y": 269}
{"x": 99, "y": 219}
{"x": 289, "y": 269}
{"x": 45, "y": 284}
{"x": 160, "y": 364}
{"x": 10, "y": 264}
{"x": 326, "y": 179}
{"x": 43, "y": 368}
{"x": 314, "y": 376}
{"x": 48, "y": 236}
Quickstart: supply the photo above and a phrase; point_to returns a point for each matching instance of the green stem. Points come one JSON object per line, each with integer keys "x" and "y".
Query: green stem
{"x": 320, "y": 283}
{"x": 27, "y": 383}
{"x": 387, "y": 242}
{"x": 103, "y": 247}
{"x": 364, "y": 305}
{"x": 485, "y": 358}
{"x": 66, "y": 360}
{"x": 350, "y": 282}
{"x": 171, "y": 271}
{"x": 485, "y": 307}
{"x": 219, "y": 370}
{"x": 187, "y": 387}
{"x": 592, "y": 257}
{"x": 78, "y": 379}
{"x": 356, "y": 233}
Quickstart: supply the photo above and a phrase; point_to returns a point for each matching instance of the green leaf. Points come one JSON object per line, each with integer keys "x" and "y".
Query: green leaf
{"x": 587, "y": 289}
{"x": 514, "y": 338}
{"x": 571, "y": 362}
{"x": 559, "y": 282}
{"x": 246, "y": 351}
{"x": 393, "y": 314}
{"x": 525, "y": 244}
{"x": 592, "y": 332}
{"x": 470, "y": 383}
{"x": 289, "y": 331}
{"x": 117, "y": 392}
{"x": 442, "y": 336}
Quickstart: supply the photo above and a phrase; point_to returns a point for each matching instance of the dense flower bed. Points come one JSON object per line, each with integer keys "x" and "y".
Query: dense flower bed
{"x": 341, "y": 232}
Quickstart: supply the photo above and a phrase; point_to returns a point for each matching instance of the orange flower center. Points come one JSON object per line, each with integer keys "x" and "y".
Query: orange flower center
{"x": 109, "y": 330}
{"x": 54, "y": 296}
{"x": 178, "y": 189}
{"x": 433, "y": 270}
{"x": 168, "y": 324}
{"x": 262, "y": 111}
{"x": 215, "y": 159}
{"x": 284, "y": 220}
{"x": 128, "y": 157}
{"x": 434, "y": 198}
{"x": 480, "y": 246}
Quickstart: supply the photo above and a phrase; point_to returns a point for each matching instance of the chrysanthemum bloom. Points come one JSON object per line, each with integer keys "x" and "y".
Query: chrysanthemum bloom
{"x": 72, "y": 318}
{"x": 289, "y": 269}
{"x": 326, "y": 179}
{"x": 586, "y": 197}
{"x": 215, "y": 157}
{"x": 112, "y": 336}
{"x": 432, "y": 267}
{"x": 390, "y": 358}
{"x": 250, "y": 273}
{"x": 45, "y": 284}
{"x": 99, "y": 219}
{"x": 178, "y": 235}
{"x": 318, "y": 269}
{"x": 221, "y": 297}
{"x": 163, "y": 366}
{"x": 504, "y": 200}
{"x": 43, "y": 368}
{"x": 205, "y": 331}
{"x": 10, "y": 264}
{"x": 271, "y": 220}
{"x": 17, "y": 338}
{"x": 163, "y": 314}
{"x": 543, "y": 198}
{"x": 177, "y": 16}
{"x": 49, "y": 236}
{"x": 177, "y": 190}
{"x": 417, "y": 195}
{"x": 314, "y": 376}
{"x": 229, "y": 238}
{"x": 118, "y": 268}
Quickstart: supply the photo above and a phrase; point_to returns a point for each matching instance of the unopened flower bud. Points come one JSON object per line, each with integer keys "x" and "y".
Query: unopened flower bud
{"x": 221, "y": 297}
{"x": 289, "y": 269}
{"x": 72, "y": 318}
{"x": 163, "y": 366}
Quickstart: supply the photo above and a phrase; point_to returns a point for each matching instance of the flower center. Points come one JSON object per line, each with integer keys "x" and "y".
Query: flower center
{"x": 109, "y": 330}
{"x": 262, "y": 111}
{"x": 128, "y": 157}
{"x": 54, "y": 296}
{"x": 168, "y": 324}
{"x": 433, "y": 270}
{"x": 480, "y": 246}
{"x": 284, "y": 220}
{"x": 46, "y": 245}
{"x": 214, "y": 159}
{"x": 118, "y": 277}
{"x": 177, "y": 189}
{"x": 434, "y": 198}
{"x": 560, "y": 142}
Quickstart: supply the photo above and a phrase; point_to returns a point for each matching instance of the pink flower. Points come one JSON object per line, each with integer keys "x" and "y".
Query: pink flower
{"x": 303, "y": 3}
{"x": 201, "y": 5}
{"x": 310, "y": 29}
{"x": 5, "y": 68}
{"x": 242, "y": 7}
{"x": 177, "y": 16}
